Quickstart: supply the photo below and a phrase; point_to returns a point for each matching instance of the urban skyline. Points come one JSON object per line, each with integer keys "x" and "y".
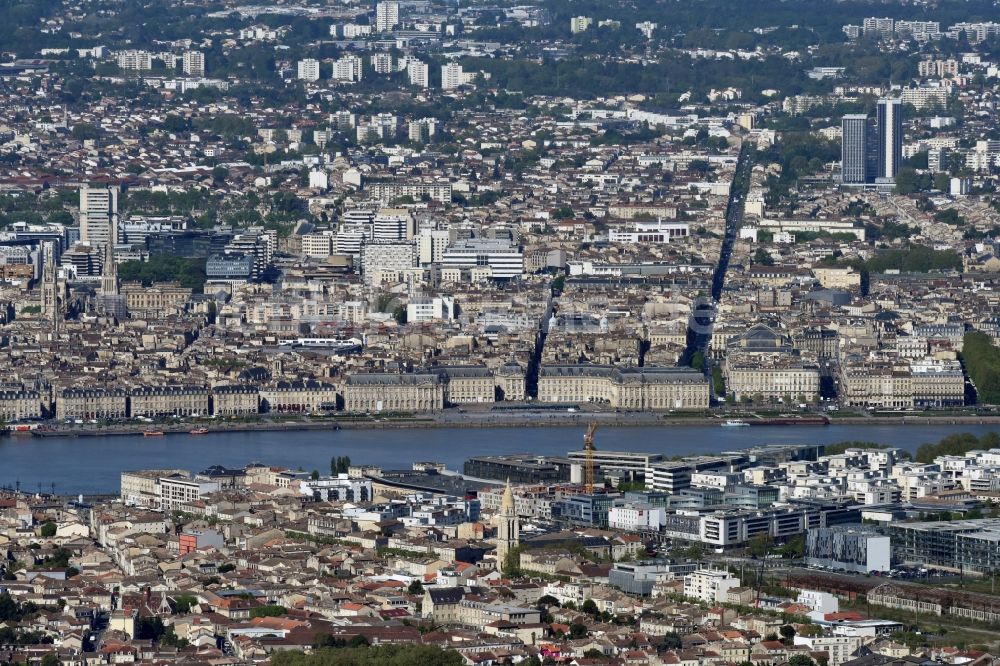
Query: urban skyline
{"x": 460, "y": 333}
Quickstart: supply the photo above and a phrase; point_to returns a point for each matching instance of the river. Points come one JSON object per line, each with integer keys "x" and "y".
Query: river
{"x": 92, "y": 465}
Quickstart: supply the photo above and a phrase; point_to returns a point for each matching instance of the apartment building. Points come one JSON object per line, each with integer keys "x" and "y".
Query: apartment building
{"x": 772, "y": 378}
{"x": 95, "y": 403}
{"x": 157, "y": 401}
{"x": 142, "y": 487}
{"x": 193, "y": 63}
{"x": 467, "y": 384}
{"x": 298, "y": 396}
{"x": 377, "y": 392}
{"x": 176, "y": 491}
{"x": 20, "y": 405}
{"x": 308, "y": 69}
{"x": 235, "y": 400}
{"x": 709, "y": 585}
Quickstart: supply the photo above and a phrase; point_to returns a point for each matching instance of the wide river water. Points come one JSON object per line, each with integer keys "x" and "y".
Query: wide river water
{"x": 92, "y": 465}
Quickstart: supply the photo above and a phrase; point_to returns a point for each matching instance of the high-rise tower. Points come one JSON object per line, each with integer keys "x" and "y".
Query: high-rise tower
{"x": 854, "y": 149}
{"x": 890, "y": 137}
{"x": 99, "y": 215}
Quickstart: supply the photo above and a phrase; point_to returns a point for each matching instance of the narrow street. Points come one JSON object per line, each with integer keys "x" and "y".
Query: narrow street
{"x": 703, "y": 317}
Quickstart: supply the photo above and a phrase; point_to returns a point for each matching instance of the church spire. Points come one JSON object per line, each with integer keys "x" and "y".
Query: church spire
{"x": 508, "y": 525}
{"x": 109, "y": 273}
{"x": 50, "y": 290}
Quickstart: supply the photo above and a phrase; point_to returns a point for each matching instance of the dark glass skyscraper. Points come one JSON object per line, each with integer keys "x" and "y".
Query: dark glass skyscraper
{"x": 854, "y": 149}
{"x": 872, "y": 152}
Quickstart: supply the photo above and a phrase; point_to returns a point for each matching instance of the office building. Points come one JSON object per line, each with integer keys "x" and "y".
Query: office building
{"x": 193, "y": 63}
{"x": 849, "y": 547}
{"x": 969, "y": 545}
{"x": 308, "y": 70}
{"x": 386, "y": 258}
{"x": 431, "y": 244}
{"x": 503, "y": 259}
{"x": 430, "y": 308}
{"x": 890, "y": 138}
{"x": 854, "y": 149}
{"x": 257, "y": 243}
{"x": 99, "y": 215}
{"x": 319, "y": 245}
{"x": 386, "y": 16}
{"x": 392, "y": 224}
{"x": 674, "y": 476}
{"x": 229, "y": 269}
{"x": 640, "y": 577}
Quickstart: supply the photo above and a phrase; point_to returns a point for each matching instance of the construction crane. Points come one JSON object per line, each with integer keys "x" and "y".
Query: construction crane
{"x": 588, "y": 447}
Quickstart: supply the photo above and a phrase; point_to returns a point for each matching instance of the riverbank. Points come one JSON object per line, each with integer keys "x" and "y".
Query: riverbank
{"x": 504, "y": 420}
{"x": 94, "y": 465}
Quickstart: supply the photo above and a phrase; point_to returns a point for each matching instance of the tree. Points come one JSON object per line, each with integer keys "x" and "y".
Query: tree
{"x": 184, "y": 602}
{"x": 942, "y": 182}
{"x": 698, "y": 360}
{"x": 558, "y": 283}
{"x": 339, "y": 465}
{"x": 593, "y": 653}
{"x": 982, "y": 361}
{"x": 589, "y": 607}
{"x": 379, "y": 655}
{"x": 787, "y": 632}
{"x": 801, "y": 660}
{"x": 85, "y": 132}
{"x": 171, "y": 639}
{"x": 415, "y": 587}
{"x": 763, "y": 257}
{"x": 511, "y": 566}
{"x": 547, "y": 600}
{"x": 909, "y": 181}
{"x": 718, "y": 382}
{"x": 760, "y": 544}
{"x": 268, "y": 611}
{"x": 577, "y": 630}
{"x": 50, "y": 660}
{"x": 48, "y": 529}
{"x": 672, "y": 640}
{"x": 810, "y": 630}
{"x": 314, "y": 475}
